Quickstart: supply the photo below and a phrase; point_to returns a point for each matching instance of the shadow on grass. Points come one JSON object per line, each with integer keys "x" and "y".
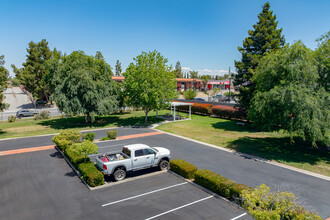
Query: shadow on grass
{"x": 2, "y": 132}
{"x": 228, "y": 125}
{"x": 280, "y": 149}
{"x": 100, "y": 121}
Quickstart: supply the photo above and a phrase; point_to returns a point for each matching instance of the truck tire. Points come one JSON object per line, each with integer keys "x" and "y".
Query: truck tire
{"x": 119, "y": 174}
{"x": 164, "y": 165}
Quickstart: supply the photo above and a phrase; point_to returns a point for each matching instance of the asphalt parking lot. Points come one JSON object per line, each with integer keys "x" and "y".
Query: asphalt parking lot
{"x": 164, "y": 196}
{"x": 41, "y": 184}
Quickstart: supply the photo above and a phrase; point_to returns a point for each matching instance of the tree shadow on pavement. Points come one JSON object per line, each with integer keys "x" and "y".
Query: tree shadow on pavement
{"x": 280, "y": 149}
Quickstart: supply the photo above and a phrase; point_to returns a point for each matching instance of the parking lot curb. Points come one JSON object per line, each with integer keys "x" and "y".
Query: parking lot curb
{"x": 252, "y": 157}
{"x": 73, "y": 168}
{"x": 205, "y": 190}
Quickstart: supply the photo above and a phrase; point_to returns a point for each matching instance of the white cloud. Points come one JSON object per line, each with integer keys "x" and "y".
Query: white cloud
{"x": 206, "y": 71}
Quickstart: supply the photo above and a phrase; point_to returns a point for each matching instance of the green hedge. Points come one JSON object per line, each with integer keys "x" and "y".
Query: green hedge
{"x": 91, "y": 174}
{"x": 215, "y": 182}
{"x": 112, "y": 134}
{"x": 66, "y": 138}
{"x": 183, "y": 168}
{"x": 236, "y": 191}
{"x": 74, "y": 158}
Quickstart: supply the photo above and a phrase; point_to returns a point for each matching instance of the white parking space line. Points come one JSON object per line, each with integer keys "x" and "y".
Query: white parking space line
{"x": 133, "y": 197}
{"x": 172, "y": 210}
{"x": 237, "y": 217}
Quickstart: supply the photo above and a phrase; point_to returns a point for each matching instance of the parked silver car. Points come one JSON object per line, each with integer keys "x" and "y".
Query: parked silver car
{"x": 25, "y": 113}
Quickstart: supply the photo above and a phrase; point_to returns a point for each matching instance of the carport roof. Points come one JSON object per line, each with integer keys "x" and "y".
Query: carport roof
{"x": 180, "y": 103}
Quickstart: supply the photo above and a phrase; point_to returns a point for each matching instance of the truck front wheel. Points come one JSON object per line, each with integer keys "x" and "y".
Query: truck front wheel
{"x": 164, "y": 165}
{"x": 119, "y": 174}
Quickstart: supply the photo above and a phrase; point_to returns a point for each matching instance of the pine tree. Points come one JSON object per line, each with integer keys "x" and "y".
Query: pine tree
{"x": 118, "y": 68}
{"x": 33, "y": 72}
{"x": 264, "y": 37}
{"x": 178, "y": 70}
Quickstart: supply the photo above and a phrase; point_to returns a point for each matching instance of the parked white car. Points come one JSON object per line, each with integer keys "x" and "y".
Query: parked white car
{"x": 26, "y": 113}
{"x": 133, "y": 157}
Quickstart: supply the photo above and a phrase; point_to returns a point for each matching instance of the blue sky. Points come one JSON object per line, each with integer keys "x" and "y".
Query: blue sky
{"x": 203, "y": 35}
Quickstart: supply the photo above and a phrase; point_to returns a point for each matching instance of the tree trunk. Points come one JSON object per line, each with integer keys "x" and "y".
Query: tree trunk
{"x": 146, "y": 117}
{"x": 89, "y": 118}
{"x": 46, "y": 96}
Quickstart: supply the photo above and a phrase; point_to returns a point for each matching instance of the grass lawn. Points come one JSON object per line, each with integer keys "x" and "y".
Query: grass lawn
{"x": 30, "y": 127}
{"x": 275, "y": 146}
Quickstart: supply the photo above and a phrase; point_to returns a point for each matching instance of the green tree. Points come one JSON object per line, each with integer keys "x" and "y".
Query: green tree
{"x": 99, "y": 55}
{"x": 82, "y": 84}
{"x": 323, "y": 58}
{"x": 118, "y": 68}
{"x": 205, "y": 79}
{"x": 189, "y": 94}
{"x": 193, "y": 74}
{"x": 3, "y": 83}
{"x": 178, "y": 71}
{"x": 263, "y": 204}
{"x": 149, "y": 82}
{"x": 86, "y": 147}
{"x": 34, "y": 70}
{"x": 288, "y": 97}
{"x": 264, "y": 38}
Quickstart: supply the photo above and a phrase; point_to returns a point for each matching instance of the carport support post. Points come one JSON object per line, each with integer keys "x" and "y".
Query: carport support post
{"x": 174, "y": 114}
{"x": 189, "y": 111}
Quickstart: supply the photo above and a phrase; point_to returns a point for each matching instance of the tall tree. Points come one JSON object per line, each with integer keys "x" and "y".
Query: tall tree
{"x": 33, "y": 71}
{"x": 287, "y": 95}
{"x": 3, "y": 82}
{"x": 99, "y": 55}
{"x": 264, "y": 37}
{"x": 178, "y": 71}
{"x": 82, "y": 84}
{"x": 323, "y": 58}
{"x": 118, "y": 68}
{"x": 193, "y": 74}
{"x": 149, "y": 82}
{"x": 205, "y": 79}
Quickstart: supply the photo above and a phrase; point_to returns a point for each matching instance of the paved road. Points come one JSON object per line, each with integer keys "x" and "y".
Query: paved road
{"x": 314, "y": 192}
{"x": 17, "y": 100}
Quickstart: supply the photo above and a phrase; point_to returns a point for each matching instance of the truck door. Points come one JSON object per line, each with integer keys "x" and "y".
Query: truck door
{"x": 139, "y": 159}
{"x": 150, "y": 157}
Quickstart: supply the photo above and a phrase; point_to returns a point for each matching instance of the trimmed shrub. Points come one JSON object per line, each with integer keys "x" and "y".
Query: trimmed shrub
{"x": 66, "y": 138}
{"x": 91, "y": 174}
{"x": 190, "y": 94}
{"x": 112, "y": 134}
{"x": 75, "y": 158}
{"x": 42, "y": 115}
{"x": 12, "y": 118}
{"x": 89, "y": 136}
{"x": 236, "y": 191}
{"x": 196, "y": 108}
{"x": 183, "y": 168}
{"x": 228, "y": 112}
{"x": 214, "y": 182}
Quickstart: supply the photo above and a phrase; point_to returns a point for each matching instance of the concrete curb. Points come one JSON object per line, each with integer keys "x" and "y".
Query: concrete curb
{"x": 205, "y": 190}
{"x": 259, "y": 159}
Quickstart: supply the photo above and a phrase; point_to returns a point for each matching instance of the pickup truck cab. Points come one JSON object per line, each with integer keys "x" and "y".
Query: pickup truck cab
{"x": 132, "y": 157}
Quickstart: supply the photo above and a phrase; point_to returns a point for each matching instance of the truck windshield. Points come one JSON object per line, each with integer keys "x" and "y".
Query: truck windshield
{"x": 127, "y": 151}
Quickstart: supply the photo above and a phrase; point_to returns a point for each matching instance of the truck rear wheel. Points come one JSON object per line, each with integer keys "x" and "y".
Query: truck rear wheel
{"x": 164, "y": 165}
{"x": 119, "y": 174}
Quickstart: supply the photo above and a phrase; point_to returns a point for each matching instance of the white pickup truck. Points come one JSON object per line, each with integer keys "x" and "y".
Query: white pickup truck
{"x": 133, "y": 157}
